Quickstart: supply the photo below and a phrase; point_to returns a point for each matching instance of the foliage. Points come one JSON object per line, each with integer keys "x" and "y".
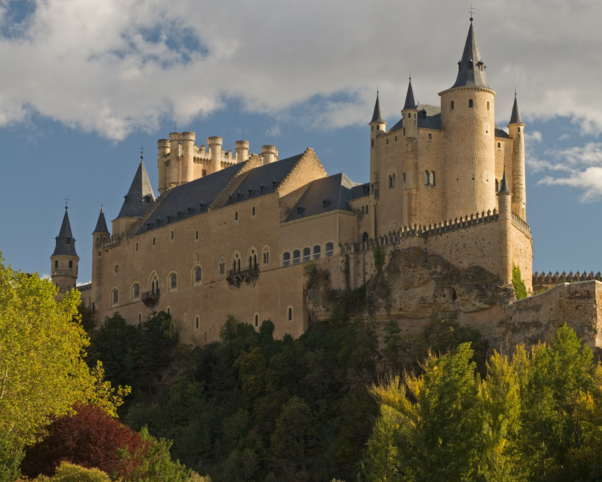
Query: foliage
{"x": 517, "y": 281}
{"x": 42, "y": 371}
{"x": 380, "y": 255}
{"x": 67, "y": 472}
{"x": 535, "y": 417}
{"x": 10, "y": 460}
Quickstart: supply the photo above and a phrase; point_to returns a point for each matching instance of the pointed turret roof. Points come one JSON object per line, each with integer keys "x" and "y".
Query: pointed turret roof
{"x": 139, "y": 197}
{"x": 515, "y": 117}
{"x": 472, "y": 69}
{"x": 410, "y": 104}
{"x": 65, "y": 243}
{"x": 377, "y": 116}
{"x": 101, "y": 224}
{"x": 504, "y": 185}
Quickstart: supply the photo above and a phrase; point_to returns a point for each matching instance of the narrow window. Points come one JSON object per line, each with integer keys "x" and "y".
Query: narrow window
{"x": 329, "y": 250}
{"x": 372, "y": 143}
{"x": 430, "y": 137}
{"x": 499, "y": 145}
{"x": 432, "y": 178}
{"x": 363, "y": 212}
{"x": 306, "y": 255}
{"x": 387, "y": 142}
{"x": 452, "y": 105}
{"x": 68, "y": 240}
{"x": 395, "y": 138}
{"x": 136, "y": 246}
{"x": 153, "y": 240}
{"x": 172, "y": 235}
{"x": 488, "y": 106}
{"x": 196, "y": 322}
{"x": 56, "y": 265}
{"x": 99, "y": 253}
{"x": 197, "y": 274}
{"x": 404, "y": 177}
{"x": 136, "y": 291}
{"x": 169, "y": 313}
{"x": 497, "y": 186}
{"x": 365, "y": 237}
{"x": 204, "y": 172}
{"x": 253, "y": 212}
{"x": 519, "y": 129}
{"x": 372, "y": 128}
{"x": 256, "y": 320}
{"x": 93, "y": 307}
{"x": 286, "y": 259}
{"x": 115, "y": 297}
{"x": 470, "y": 103}
{"x": 196, "y": 235}
{"x": 366, "y": 209}
{"x": 317, "y": 251}
{"x": 116, "y": 268}
{"x": 404, "y": 131}
{"x": 296, "y": 256}
{"x": 426, "y": 178}
{"x": 139, "y": 317}
{"x": 71, "y": 264}
{"x": 236, "y": 216}
{"x": 97, "y": 239}
{"x": 174, "y": 281}
{"x": 290, "y": 314}
{"x": 470, "y": 65}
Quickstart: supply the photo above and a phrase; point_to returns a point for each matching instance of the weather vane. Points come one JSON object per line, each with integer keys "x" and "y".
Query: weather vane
{"x": 66, "y": 202}
{"x": 142, "y": 153}
{"x": 471, "y": 10}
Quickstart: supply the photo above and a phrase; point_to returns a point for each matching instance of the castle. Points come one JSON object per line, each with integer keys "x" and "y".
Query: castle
{"x": 230, "y": 233}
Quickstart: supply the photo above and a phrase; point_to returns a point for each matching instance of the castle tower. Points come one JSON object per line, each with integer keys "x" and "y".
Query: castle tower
{"x": 64, "y": 261}
{"x": 99, "y": 236}
{"x": 162, "y": 159}
{"x": 468, "y": 125}
{"x": 505, "y": 220}
{"x": 268, "y": 152}
{"x": 137, "y": 200}
{"x": 173, "y": 171}
{"x": 215, "y": 148}
{"x": 242, "y": 151}
{"x": 377, "y": 128}
{"x": 409, "y": 113}
{"x": 516, "y": 129}
{"x": 187, "y": 162}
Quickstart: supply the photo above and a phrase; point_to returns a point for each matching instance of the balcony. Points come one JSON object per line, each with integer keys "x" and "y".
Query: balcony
{"x": 235, "y": 277}
{"x": 151, "y": 298}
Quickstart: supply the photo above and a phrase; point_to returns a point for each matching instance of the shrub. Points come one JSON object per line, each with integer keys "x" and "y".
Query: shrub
{"x": 519, "y": 286}
{"x": 380, "y": 254}
{"x": 67, "y": 472}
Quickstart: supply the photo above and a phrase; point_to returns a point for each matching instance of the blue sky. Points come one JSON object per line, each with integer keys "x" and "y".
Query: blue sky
{"x": 85, "y": 84}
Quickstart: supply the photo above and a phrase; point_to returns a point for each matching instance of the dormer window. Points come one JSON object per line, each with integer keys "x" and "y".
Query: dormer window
{"x": 230, "y": 199}
{"x": 190, "y": 210}
{"x": 274, "y": 184}
{"x": 180, "y": 214}
{"x": 68, "y": 240}
{"x": 423, "y": 114}
{"x": 300, "y": 209}
{"x": 251, "y": 191}
{"x": 240, "y": 196}
{"x": 325, "y": 203}
{"x": 470, "y": 66}
{"x": 201, "y": 207}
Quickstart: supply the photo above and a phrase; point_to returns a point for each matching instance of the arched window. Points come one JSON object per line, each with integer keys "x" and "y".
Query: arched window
{"x": 256, "y": 320}
{"x": 173, "y": 281}
{"x": 387, "y": 142}
{"x": 296, "y": 256}
{"x": 136, "y": 291}
{"x": 168, "y": 311}
{"x": 499, "y": 145}
{"x": 266, "y": 255}
{"x": 497, "y": 186}
{"x": 519, "y": 129}
{"x": 222, "y": 267}
{"x": 253, "y": 211}
{"x": 426, "y": 178}
{"x": 306, "y": 255}
{"x": 116, "y": 268}
{"x": 366, "y": 209}
{"x": 115, "y": 297}
{"x": 452, "y": 105}
{"x": 196, "y": 235}
{"x": 317, "y": 251}
{"x": 365, "y": 237}
{"x": 236, "y": 216}
{"x": 470, "y": 103}
{"x": 430, "y": 137}
{"x": 363, "y": 210}
{"x": 488, "y": 106}
{"x": 198, "y": 274}
{"x": 196, "y": 323}
{"x": 290, "y": 314}
{"x": 372, "y": 143}
{"x": 154, "y": 284}
{"x": 252, "y": 259}
{"x": 432, "y": 178}
{"x": 329, "y": 250}
{"x": 286, "y": 259}
{"x": 172, "y": 235}
{"x": 404, "y": 131}
{"x": 391, "y": 181}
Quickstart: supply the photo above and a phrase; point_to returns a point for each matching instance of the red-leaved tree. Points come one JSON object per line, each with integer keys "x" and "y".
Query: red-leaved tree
{"x": 89, "y": 438}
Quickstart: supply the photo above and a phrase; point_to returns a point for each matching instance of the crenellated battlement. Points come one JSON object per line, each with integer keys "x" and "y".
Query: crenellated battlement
{"x": 543, "y": 281}
{"x": 521, "y": 225}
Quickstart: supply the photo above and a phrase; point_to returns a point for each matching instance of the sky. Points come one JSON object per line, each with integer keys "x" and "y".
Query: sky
{"x": 84, "y": 85}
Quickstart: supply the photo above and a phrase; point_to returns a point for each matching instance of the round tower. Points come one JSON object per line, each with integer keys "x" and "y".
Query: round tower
{"x": 99, "y": 237}
{"x": 215, "y": 148}
{"x": 378, "y": 127}
{"x": 268, "y": 152}
{"x": 173, "y": 173}
{"x": 162, "y": 157}
{"x": 516, "y": 129}
{"x": 188, "y": 139}
{"x": 242, "y": 151}
{"x": 468, "y": 125}
{"x": 409, "y": 114}
{"x": 64, "y": 260}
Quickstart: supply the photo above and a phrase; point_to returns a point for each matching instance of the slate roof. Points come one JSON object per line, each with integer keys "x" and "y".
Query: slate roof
{"x": 324, "y": 195}
{"x": 410, "y": 104}
{"x": 432, "y": 121}
{"x": 139, "y": 197}
{"x": 101, "y": 224}
{"x": 360, "y": 190}
{"x": 470, "y": 73}
{"x": 499, "y": 132}
{"x": 504, "y": 185}
{"x": 515, "y": 117}
{"x": 377, "y": 116}
{"x": 65, "y": 243}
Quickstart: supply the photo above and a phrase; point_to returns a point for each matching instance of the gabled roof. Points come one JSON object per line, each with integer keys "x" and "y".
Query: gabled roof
{"x": 101, "y": 224}
{"x": 515, "y": 117}
{"x": 324, "y": 195}
{"x": 432, "y": 120}
{"x": 377, "y": 116}
{"x": 470, "y": 73}
{"x": 139, "y": 197}
{"x": 499, "y": 132}
{"x": 360, "y": 190}
{"x": 409, "y": 104}
{"x": 65, "y": 243}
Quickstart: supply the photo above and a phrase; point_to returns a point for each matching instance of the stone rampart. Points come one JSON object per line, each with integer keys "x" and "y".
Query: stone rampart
{"x": 543, "y": 281}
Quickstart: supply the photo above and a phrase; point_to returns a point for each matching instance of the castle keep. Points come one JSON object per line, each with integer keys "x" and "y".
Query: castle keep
{"x": 230, "y": 232}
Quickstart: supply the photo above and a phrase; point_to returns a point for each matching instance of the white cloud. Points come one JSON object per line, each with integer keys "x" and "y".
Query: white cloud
{"x": 116, "y": 66}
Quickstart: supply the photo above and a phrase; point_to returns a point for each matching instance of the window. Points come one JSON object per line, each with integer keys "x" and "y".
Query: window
{"x": 253, "y": 211}
{"x": 172, "y": 235}
{"x": 173, "y": 281}
{"x": 395, "y": 138}
{"x": 329, "y": 249}
{"x": 404, "y": 131}
{"x": 116, "y": 268}
{"x": 68, "y": 240}
{"x": 426, "y": 178}
{"x": 154, "y": 284}
{"x": 372, "y": 143}
{"x": 198, "y": 274}
{"x": 56, "y": 265}
{"x": 317, "y": 251}
{"x": 296, "y": 256}
{"x": 196, "y": 322}
{"x": 256, "y": 320}
{"x": 519, "y": 129}
{"x": 252, "y": 259}
{"x": 196, "y": 235}
{"x": 266, "y": 255}
{"x": 136, "y": 246}
{"x": 97, "y": 239}
{"x": 452, "y": 105}
{"x": 499, "y": 145}
{"x": 290, "y": 314}
{"x": 372, "y": 128}
{"x": 153, "y": 240}
{"x": 236, "y": 264}
{"x": 365, "y": 237}
{"x": 306, "y": 254}
{"x": 136, "y": 291}
{"x": 204, "y": 172}
{"x": 286, "y": 259}
{"x": 70, "y": 264}
{"x": 430, "y": 137}
{"x": 497, "y": 186}
{"x": 99, "y": 253}
{"x": 168, "y": 311}
{"x": 404, "y": 177}
{"x": 387, "y": 142}
{"x": 222, "y": 267}
{"x": 432, "y": 178}
{"x": 115, "y": 297}
{"x": 363, "y": 210}
{"x": 488, "y": 106}
{"x": 470, "y": 65}
{"x": 470, "y": 103}
{"x": 236, "y": 216}
{"x": 366, "y": 209}
{"x": 391, "y": 181}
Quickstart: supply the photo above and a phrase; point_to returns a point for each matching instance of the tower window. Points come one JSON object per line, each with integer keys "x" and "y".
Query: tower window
{"x": 404, "y": 131}
{"x": 488, "y": 106}
{"x": 519, "y": 129}
{"x": 116, "y": 268}
{"x": 236, "y": 216}
{"x": 497, "y": 186}
{"x": 430, "y": 137}
{"x": 153, "y": 240}
{"x": 71, "y": 264}
{"x": 253, "y": 211}
{"x": 426, "y": 178}
{"x": 286, "y": 259}
{"x": 196, "y": 322}
{"x": 99, "y": 253}
{"x": 172, "y": 235}
{"x": 68, "y": 240}
{"x": 452, "y": 105}
{"x": 372, "y": 128}
{"x": 404, "y": 177}
{"x": 256, "y": 320}
{"x": 391, "y": 181}
{"x": 372, "y": 143}
{"x": 470, "y": 65}
{"x": 136, "y": 246}
{"x": 329, "y": 250}
{"x": 387, "y": 142}
{"x": 290, "y": 314}
{"x": 97, "y": 239}
{"x": 115, "y": 297}
{"x": 499, "y": 145}
{"x": 395, "y": 138}
{"x": 173, "y": 281}
{"x": 197, "y": 274}
{"x": 317, "y": 251}
{"x": 196, "y": 235}
{"x": 470, "y": 103}
{"x": 56, "y": 265}
{"x": 136, "y": 291}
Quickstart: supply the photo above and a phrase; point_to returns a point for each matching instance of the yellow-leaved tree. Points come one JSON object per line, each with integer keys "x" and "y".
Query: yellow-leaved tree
{"x": 42, "y": 369}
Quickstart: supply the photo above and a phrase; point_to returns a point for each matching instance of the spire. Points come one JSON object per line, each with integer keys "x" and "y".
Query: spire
{"x": 139, "y": 197}
{"x": 377, "y": 116}
{"x": 410, "y": 104}
{"x": 101, "y": 224}
{"x": 504, "y": 185}
{"x": 515, "y": 117}
{"x": 65, "y": 243}
{"x": 471, "y": 72}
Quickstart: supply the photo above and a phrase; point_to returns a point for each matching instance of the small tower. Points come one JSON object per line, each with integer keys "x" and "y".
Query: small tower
{"x": 162, "y": 160}
{"x": 505, "y": 219}
{"x": 516, "y": 129}
{"x": 409, "y": 113}
{"x": 99, "y": 237}
{"x": 137, "y": 200}
{"x": 377, "y": 128}
{"x": 64, "y": 261}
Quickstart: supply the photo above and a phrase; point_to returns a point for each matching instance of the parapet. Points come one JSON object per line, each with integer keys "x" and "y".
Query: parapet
{"x": 188, "y": 136}
{"x": 268, "y": 153}
{"x": 543, "y": 281}
{"x": 163, "y": 143}
{"x": 175, "y": 136}
{"x": 241, "y": 145}
{"x": 214, "y": 141}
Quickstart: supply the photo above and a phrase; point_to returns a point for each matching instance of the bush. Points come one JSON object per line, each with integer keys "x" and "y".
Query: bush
{"x": 380, "y": 254}
{"x": 67, "y": 472}
{"x": 519, "y": 286}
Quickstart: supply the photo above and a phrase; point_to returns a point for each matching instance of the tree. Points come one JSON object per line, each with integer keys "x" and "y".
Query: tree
{"x": 42, "y": 371}
{"x": 67, "y": 472}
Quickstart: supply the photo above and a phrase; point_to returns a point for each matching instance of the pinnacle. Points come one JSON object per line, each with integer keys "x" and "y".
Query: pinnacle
{"x": 377, "y": 116}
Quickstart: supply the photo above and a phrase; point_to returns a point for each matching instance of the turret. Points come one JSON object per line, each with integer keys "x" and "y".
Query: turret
{"x": 173, "y": 173}
{"x": 268, "y": 153}
{"x": 516, "y": 129}
{"x": 162, "y": 158}
{"x": 64, "y": 260}
{"x": 215, "y": 148}
{"x": 377, "y": 127}
{"x": 139, "y": 197}
{"x": 242, "y": 151}
{"x": 468, "y": 125}
{"x": 99, "y": 236}
{"x": 409, "y": 113}
{"x": 187, "y": 162}
{"x": 505, "y": 223}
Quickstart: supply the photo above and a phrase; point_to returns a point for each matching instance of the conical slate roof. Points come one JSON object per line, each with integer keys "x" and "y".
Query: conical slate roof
{"x": 410, "y": 104}
{"x": 377, "y": 116}
{"x": 139, "y": 197}
{"x": 504, "y": 185}
{"x": 65, "y": 243}
{"x": 472, "y": 69}
{"x": 515, "y": 117}
{"x": 101, "y": 224}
